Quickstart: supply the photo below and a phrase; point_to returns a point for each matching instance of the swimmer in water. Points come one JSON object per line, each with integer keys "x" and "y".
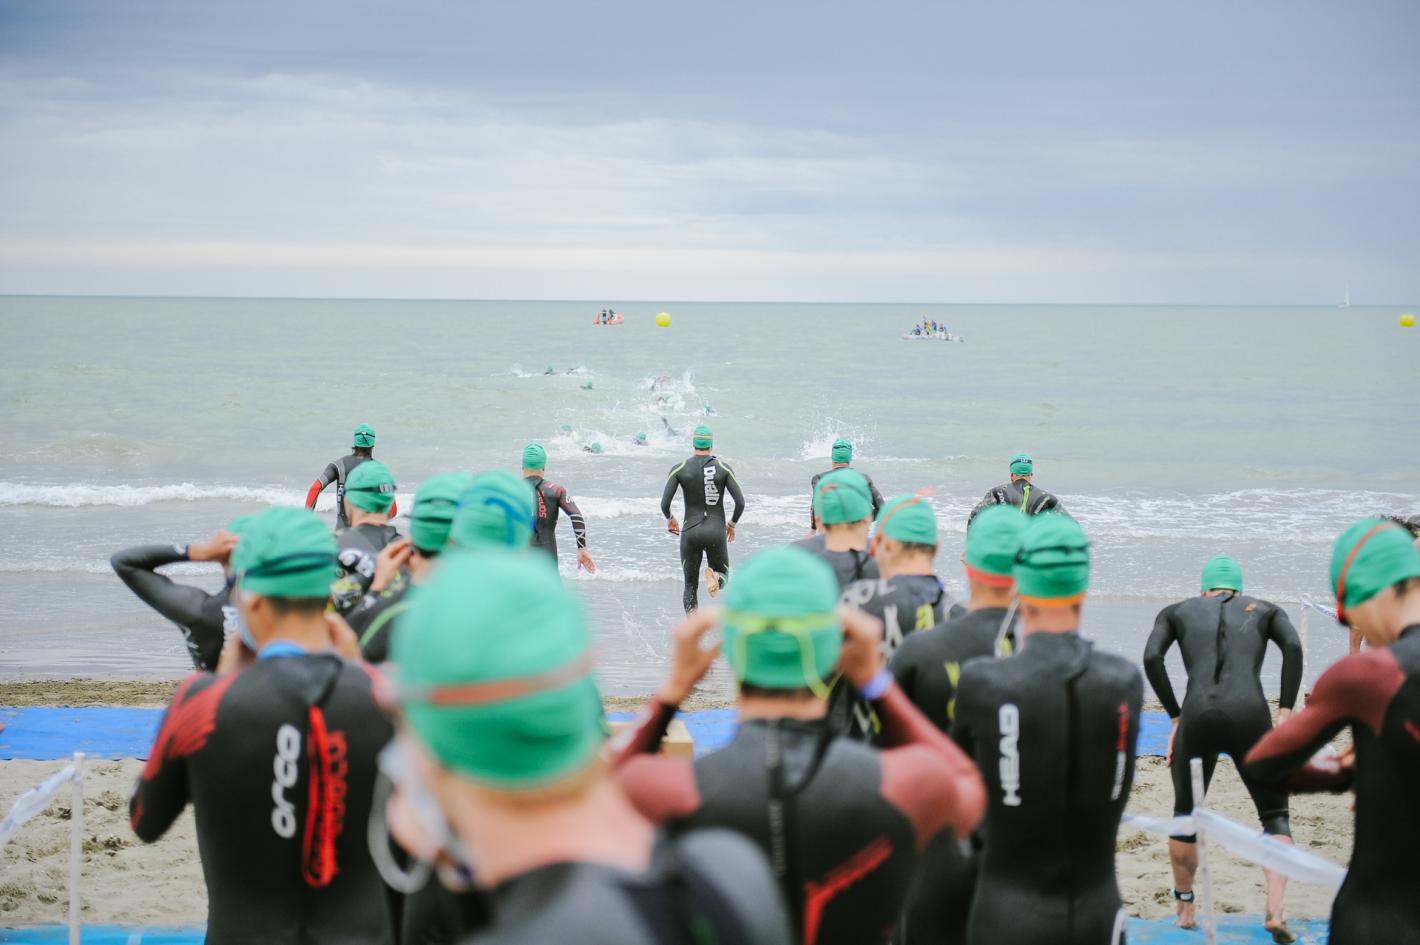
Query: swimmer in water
{"x": 339, "y": 470}
{"x": 842, "y": 458}
{"x": 551, "y": 500}
{"x": 1020, "y": 492}
{"x": 703, "y": 480}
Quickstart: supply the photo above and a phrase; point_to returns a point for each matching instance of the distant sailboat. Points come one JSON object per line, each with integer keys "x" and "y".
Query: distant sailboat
{"x": 1346, "y": 303}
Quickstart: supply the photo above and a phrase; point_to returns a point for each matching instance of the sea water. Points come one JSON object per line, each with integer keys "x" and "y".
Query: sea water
{"x": 1171, "y": 433}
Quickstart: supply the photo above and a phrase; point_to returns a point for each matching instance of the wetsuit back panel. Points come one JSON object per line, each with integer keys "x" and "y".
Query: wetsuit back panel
{"x": 703, "y": 482}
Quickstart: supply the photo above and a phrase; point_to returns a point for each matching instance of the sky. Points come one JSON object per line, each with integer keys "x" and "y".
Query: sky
{"x": 1102, "y": 152}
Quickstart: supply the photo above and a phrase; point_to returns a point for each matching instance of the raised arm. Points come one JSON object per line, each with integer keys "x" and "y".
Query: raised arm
{"x": 1281, "y": 632}
{"x": 1155, "y": 650}
{"x": 177, "y": 602}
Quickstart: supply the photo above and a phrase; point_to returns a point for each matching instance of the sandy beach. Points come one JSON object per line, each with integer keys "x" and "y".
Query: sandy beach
{"x": 138, "y": 884}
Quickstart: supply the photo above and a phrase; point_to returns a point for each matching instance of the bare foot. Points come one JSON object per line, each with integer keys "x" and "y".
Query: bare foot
{"x": 712, "y": 581}
{"x": 1185, "y": 918}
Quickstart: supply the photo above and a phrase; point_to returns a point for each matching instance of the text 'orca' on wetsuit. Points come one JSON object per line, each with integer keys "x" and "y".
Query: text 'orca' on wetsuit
{"x": 1020, "y": 494}
{"x": 1223, "y": 640}
{"x": 278, "y": 761}
{"x": 873, "y": 492}
{"x": 359, "y": 546}
{"x": 1377, "y": 694}
{"x": 552, "y": 498}
{"x": 1053, "y": 731}
{"x": 204, "y": 619}
{"x": 703, "y": 482}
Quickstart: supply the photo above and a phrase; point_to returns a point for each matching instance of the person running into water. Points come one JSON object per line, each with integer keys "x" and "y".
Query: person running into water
{"x": 1053, "y": 730}
{"x": 907, "y": 597}
{"x": 843, "y": 506}
{"x": 841, "y": 823}
{"x": 369, "y": 498}
{"x": 552, "y": 499}
{"x": 703, "y": 480}
{"x": 842, "y": 457}
{"x": 928, "y": 667}
{"x": 1223, "y": 636}
{"x": 500, "y": 759}
{"x": 206, "y": 620}
{"x": 339, "y": 470}
{"x": 1020, "y": 492}
{"x": 276, "y": 752}
{"x": 1375, "y": 573}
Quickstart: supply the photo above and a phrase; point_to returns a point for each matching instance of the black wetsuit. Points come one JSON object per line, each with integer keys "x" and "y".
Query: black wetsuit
{"x": 337, "y": 471}
{"x": 359, "y": 547}
{"x": 373, "y": 620}
{"x": 848, "y": 566}
{"x": 1223, "y": 640}
{"x": 278, "y": 761}
{"x": 552, "y": 498}
{"x": 1030, "y": 499}
{"x": 928, "y": 667}
{"x": 703, "y": 481}
{"x": 841, "y": 823}
{"x": 905, "y": 603}
{"x": 1377, "y": 694}
{"x": 813, "y": 488}
{"x": 204, "y": 619}
{"x": 705, "y": 888}
{"x": 1053, "y": 731}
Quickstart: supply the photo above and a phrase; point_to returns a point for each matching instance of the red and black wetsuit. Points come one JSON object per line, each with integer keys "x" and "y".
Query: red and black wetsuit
{"x": 552, "y": 498}
{"x": 843, "y": 824}
{"x": 337, "y": 471}
{"x": 1053, "y": 730}
{"x": 278, "y": 761}
{"x": 1377, "y": 694}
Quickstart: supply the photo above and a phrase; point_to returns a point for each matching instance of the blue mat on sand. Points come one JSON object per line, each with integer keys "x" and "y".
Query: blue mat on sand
{"x": 1235, "y": 930}
{"x": 51, "y": 733}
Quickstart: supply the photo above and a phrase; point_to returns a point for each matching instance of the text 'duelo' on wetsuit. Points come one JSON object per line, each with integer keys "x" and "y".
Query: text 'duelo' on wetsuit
{"x": 206, "y": 620}
{"x": 1053, "y": 731}
{"x": 1377, "y": 694}
{"x": 1223, "y": 640}
{"x": 703, "y": 482}
{"x": 552, "y": 499}
{"x": 278, "y": 761}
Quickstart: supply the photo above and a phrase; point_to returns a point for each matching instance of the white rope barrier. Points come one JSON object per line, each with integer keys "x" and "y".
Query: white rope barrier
{"x": 31, "y": 803}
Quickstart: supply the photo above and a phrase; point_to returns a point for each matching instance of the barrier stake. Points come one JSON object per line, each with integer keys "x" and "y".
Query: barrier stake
{"x": 1210, "y": 927}
{"x": 1302, "y": 632}
{"x": 76, "y": 846}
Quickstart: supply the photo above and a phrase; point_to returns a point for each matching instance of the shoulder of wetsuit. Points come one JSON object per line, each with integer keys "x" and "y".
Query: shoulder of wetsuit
{"x": 736, "y": 870}
{"x": 1118, "y": 667}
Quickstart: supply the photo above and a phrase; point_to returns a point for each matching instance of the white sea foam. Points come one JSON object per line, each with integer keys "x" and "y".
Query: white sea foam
{"x": 81, "y": 495}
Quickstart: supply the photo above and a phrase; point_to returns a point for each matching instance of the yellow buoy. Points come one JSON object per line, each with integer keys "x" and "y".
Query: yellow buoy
{"x": 1407, "y": 320}
{"x": 664, "y": 319}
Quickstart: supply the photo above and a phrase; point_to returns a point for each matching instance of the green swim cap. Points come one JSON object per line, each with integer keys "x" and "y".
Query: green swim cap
{"x": 842, "y": 496}
{"x": 842, "y": 451}
{"x": 370, "y": 486}
{"x": 494, "y": 671}
{"x": 284, "y": 552}
{"x": 1022, "y": 465}
{"x": 596, "y": 447}
{"x": 364, "y": 435}
{"x": 534, "y": 457}
{"x": 704, "y": 438}
{"x": 908, "y": 518}
{"x": 1222, "y": 571}
{"x": 641, "y": 437}
{"x": 432, "y": 517}
{"x": 1368, "y": 557}
{"x": 1053, "y": 565}
{"x": 781, "y": 623}
{"x": 992, "y": 542}
{"x": 495, "y": 511}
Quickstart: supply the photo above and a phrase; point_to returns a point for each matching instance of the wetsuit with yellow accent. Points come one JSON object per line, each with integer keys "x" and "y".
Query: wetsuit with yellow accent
{"x": 873, "y": 492}
{"x": 552, "y": 499}
{"x": 204, "y": 619}
{"x": 703, "y": 482}
{"x": 337, "y": 471}
{"x": 374, "y": 618}
{"x": 928, "y": 667}
{"x": 1376, "y": 693}
{"x": 359, "y": 546}
{"x": 1223, "y": 640}
{"x": 1030, "y": 499}
{"x": 842, "y": 824}
{"x": 1053, "y": 730}
{"x": 278, "y": 761}
{"x": 905, "y": 603}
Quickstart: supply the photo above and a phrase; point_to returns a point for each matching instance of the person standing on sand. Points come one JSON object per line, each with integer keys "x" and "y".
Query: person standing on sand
{"x": 842, "y": 823}
{"x": 276, "y": 752}
{"x": 1375, "y": 572}
{"x": 841, "y": 456}
{"x": 1020, "y": 492}
{"x": 552, "y": 498}
{"x": 1223, "y": 636}
{"x": 338, "y": 470}
{"x": 703, "y": 479}
{"x": 1053, "y": 730}
{"x": 499, "y": 765}
{"x": 369, "y": 499}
